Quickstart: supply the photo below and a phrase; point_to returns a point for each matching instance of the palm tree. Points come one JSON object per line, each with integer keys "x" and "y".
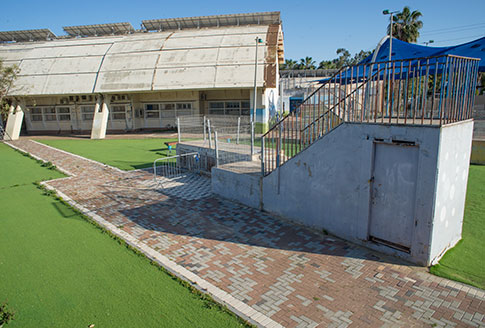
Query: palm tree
{"x": 406, "y": 25}
{"x": 307, "y": 63}
{"x": 289, "y": 64}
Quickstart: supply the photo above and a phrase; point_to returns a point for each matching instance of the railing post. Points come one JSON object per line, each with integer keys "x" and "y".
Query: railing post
{"x": 217, "y": 148}
{"x": 262, "y": 156}
{"x": 210, "y": 134}
{"x": 178, "y": 129}
{"x": 278, "y": 148}
{"x": 238, "y": 129}
{"x": 252, "y": 138}
{"x": 205, "y": 129}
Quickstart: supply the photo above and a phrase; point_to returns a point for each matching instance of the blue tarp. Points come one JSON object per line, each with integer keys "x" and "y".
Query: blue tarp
{"x": 404, "y": 50}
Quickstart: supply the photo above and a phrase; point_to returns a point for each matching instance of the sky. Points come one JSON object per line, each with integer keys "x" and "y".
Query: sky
{"x": 311, "y": 28}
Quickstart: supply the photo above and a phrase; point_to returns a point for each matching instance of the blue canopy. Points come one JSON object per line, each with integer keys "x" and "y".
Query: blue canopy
{"x": 404, "y": 50}
{"x": 423, "y": 59}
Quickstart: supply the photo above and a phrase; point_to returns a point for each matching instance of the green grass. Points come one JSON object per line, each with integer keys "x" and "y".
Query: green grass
{"x": 466, "y": 261}
{"x": 126, "y": 154}
{"x": 59, "y": 270}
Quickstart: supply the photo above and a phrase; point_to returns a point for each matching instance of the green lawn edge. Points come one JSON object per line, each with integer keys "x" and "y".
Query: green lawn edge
{"x": 208, "y": 301}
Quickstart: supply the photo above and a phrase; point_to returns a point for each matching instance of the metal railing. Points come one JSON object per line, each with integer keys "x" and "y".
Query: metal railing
{"x": 175, "y": 166}
{"x": 424, "y": 91}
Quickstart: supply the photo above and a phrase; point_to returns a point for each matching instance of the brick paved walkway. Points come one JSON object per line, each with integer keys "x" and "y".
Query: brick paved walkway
{"x": 296, "y": 277}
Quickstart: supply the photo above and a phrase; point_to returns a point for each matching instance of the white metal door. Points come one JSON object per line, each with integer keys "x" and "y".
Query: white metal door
{"x": 393, "y": 194}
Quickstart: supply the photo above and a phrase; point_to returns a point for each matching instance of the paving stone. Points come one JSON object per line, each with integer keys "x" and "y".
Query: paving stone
{"x": 284, "y": 271}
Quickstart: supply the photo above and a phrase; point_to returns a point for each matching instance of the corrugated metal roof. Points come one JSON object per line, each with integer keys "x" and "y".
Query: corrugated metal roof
{"x": 174, "y": 60}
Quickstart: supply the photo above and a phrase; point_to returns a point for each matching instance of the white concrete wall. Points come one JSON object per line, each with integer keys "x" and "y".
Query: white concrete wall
{"x": 452, "y": 178}
{"x": 327, "y": 186}
{"x": 243, "y": 188}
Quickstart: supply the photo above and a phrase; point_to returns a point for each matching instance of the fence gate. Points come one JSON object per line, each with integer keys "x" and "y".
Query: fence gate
{"x": 180, "y": 176}
{"x": 393, "y": 193}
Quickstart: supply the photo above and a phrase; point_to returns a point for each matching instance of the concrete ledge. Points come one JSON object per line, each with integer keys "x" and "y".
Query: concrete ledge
{"x": 243, "y": 188}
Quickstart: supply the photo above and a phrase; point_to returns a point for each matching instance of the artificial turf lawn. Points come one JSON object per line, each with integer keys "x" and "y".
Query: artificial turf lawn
{"x": 126, "y": 154}
{"x": 58, "y": 270}
{"x": 466, "y": 261}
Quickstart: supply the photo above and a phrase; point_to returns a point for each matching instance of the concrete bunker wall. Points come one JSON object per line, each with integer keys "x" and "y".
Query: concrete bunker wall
{"x": 329, "y": 185}
{"x": 451, "y": 184}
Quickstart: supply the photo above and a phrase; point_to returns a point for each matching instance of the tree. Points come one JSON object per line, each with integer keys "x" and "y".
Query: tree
{"x": 406, "y": 25}
{"x": 358, "y": 57}
{"x": 307, "y": 63}
{"x": 289, "y": 64}
{"x": 8, "y": 74}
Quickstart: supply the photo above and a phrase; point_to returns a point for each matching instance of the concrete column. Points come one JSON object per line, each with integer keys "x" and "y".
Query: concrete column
{"x": 100, "y": 119}
{"x": 14, "y": 122}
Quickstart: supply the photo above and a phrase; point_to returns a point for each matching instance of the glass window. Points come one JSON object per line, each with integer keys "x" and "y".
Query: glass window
{"x": 87, "y": 113}
{"x": 36, "y": 114}
{"x": 152, "y": 111}
{"x": 50, "y": 114}
{"x": 64, "y": 117}
{"x": 184, "y": 106}
{"x": 167, "y": 106}
{"x": 151, "y": 106}
{"x": 118, "y": 112}
{"x": 218, "y": 104}
{"x": 36, "y": 117}
{"x": 63, "y": 113}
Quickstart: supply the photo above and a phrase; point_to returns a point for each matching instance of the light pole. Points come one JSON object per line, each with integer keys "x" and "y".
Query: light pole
{"x": 391, "y": 13}
{"x": 258, "y": 41}
{"x": 253, "y": 116}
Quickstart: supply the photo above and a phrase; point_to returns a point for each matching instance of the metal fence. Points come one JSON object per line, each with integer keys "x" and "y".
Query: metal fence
{"x": 176, "y": 166}
{"x": 425, "y": 91}
{"x": 225, "y": 139}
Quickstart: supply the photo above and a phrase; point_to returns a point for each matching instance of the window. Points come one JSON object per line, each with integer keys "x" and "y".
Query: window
{"x": 118, "y": 112}
{"x": 245, "y": 108}
{"x": 49, "y": 114}
{"x": 152, "y": 111}
{"x": 167, "y": 110}
{"x": 87, "y": 113}
{"x": 167, "y": 106}
{"x": 216, "y": 108}
{"x": 184, "y": 109}
{"x": 36, "y": 115}
{"x": 232, "y": 107}
{"x": 63, "y": 113}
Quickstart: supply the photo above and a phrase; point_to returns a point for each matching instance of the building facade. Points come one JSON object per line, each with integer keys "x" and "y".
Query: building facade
{"x": 110, "y": 77}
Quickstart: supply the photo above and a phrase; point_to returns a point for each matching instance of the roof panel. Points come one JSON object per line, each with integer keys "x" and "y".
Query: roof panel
{"x": 69, "y": 51}
{"x": 188, "y": 57}
{"x": 116, "y": 81}
{"x": 263, "y": 18}
{"x": 130, "y": 61}
{"x": 240, "y": 76}
{"x": 184, "y": 78}
{"x": 99, "y": 29}
{"x": 71, "y": 65}
{"x": 27, "y": 35}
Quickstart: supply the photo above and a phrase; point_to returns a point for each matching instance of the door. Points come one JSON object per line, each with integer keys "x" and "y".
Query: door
{"x": 393, "y": 194}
